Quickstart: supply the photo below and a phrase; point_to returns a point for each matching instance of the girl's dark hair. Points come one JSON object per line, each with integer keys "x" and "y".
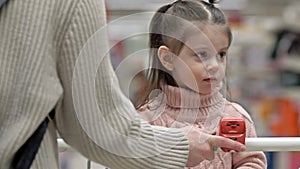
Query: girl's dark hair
{"x": 163, "y": 25}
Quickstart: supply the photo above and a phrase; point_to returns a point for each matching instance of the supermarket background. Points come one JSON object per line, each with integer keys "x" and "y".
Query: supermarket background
{"x": 264, "y": 65}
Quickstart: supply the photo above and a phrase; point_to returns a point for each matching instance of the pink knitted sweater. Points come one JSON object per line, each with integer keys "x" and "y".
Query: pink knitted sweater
{"x": 178, "y": 107}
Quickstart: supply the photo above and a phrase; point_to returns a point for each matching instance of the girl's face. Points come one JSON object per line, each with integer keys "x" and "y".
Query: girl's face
{"x": 201, "y": 63}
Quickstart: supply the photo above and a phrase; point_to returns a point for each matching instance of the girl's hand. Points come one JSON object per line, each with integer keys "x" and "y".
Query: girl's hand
{"x": 202, "y": 145}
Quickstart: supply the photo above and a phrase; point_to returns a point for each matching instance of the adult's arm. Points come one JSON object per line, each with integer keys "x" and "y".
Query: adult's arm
{"x": 93, "y": 116}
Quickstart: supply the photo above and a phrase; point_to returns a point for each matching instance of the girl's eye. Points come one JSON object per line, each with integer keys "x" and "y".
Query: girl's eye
{"x": 221, "y": 55}
{"x": 202, "y": 54}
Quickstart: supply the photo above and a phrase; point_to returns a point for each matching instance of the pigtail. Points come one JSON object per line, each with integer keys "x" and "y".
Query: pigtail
{"x": 156, "y": 27}
{"x": 155, "y": 41}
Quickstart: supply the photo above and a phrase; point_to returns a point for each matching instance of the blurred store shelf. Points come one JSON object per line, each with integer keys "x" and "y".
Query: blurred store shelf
{"x": 291, "y": 63}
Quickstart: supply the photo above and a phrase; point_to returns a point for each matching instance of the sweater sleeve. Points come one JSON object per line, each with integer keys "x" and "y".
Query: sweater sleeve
{"x": 93, "y": 116}
{"x": 253, "y": 159}
{"x": 246, "y": 160}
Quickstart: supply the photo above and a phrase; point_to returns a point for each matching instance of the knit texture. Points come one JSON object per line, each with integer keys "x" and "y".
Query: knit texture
{"x": 179, "y": 107}
{"x": 40, "y": 45}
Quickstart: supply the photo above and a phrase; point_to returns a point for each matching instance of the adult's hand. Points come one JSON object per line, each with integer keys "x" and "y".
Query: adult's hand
{"x": 202, "y": 145}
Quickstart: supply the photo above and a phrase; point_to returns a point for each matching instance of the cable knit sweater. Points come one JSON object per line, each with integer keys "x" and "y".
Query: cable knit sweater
{"x": 40, "y": 41}
{"x": 178, "y": 107}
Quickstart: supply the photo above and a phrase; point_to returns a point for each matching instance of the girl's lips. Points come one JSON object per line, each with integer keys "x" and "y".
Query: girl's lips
{"x": 210, "y": 80}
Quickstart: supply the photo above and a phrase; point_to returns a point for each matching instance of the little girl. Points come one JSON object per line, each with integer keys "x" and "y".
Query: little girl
{"x": 189, "y": 41}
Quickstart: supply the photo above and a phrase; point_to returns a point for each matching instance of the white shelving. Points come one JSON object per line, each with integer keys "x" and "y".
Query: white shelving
{"x": 290, "y": 63}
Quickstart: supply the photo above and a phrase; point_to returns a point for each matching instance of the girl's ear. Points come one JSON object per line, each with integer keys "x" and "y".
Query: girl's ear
{"x": 165, "y": 57}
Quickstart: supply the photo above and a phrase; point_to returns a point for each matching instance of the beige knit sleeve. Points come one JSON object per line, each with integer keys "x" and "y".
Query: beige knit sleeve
{"x": 94, "y": 117}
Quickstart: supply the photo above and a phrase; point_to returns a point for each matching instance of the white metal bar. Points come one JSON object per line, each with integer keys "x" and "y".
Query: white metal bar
{"x": 271, "y": 144}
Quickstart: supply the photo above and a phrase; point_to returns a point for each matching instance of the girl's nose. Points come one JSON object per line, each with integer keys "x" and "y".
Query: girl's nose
{"x": 212, "y": 65}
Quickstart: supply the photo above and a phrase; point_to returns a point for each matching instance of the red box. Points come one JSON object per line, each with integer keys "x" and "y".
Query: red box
{"x": 233, "y": 128}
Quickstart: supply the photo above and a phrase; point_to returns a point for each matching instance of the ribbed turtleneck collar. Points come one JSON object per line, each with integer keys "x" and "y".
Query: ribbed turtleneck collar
{"x": 184, "y": 98}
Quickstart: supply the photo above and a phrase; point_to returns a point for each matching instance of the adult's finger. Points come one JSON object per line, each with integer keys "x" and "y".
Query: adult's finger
{"x": 218, "y": 141}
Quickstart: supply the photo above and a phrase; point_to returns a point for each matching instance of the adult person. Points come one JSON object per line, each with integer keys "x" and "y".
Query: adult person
{"x": 40, "y": 44}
